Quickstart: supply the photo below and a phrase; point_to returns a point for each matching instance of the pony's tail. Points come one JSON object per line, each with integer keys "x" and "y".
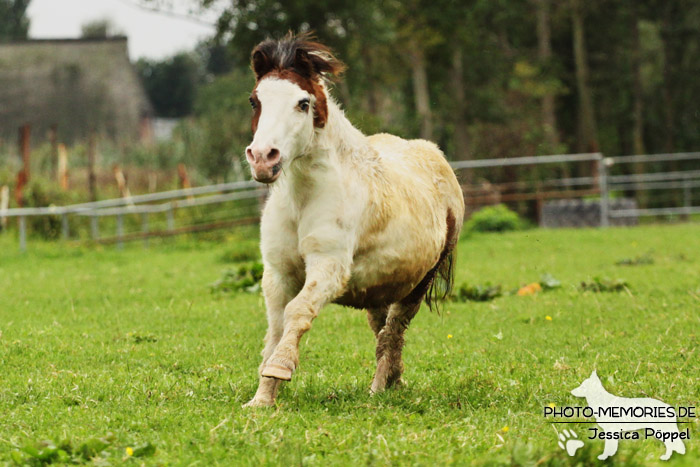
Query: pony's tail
{"x": 443, "y": 273}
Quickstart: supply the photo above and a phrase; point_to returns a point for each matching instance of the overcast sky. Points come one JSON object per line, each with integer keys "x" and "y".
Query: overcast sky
{"x": 151, "y": 35}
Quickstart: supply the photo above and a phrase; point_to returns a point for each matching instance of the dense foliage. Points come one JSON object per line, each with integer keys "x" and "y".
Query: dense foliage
{"x": 170, "y": 84}
{"x": 494, "y": 219}
{"x": 506, "y": 78}
{"x": 14, "y": 23}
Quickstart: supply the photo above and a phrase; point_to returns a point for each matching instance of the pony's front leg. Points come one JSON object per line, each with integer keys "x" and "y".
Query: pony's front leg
{"x": 326, "y": 277}
{"x": 277, "y": 296}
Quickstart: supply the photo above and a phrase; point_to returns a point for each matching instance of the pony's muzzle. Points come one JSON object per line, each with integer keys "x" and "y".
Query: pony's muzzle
{"x": 265, "y": 162}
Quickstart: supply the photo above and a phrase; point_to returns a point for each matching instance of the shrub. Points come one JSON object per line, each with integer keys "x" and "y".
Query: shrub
{"x": 41, "y": 193}
{"x": 604, "y": 284}
{"x": 494, "y": 219}
{"x": 477, "y": 293}
{"x": 245, "y": 277}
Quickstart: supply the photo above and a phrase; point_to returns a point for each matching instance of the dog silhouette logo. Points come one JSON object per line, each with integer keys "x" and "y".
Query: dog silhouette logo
{"x": 623, "y": 418}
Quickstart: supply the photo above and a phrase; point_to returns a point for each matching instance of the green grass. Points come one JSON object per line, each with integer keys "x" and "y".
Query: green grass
{"x": 133, "y": 343}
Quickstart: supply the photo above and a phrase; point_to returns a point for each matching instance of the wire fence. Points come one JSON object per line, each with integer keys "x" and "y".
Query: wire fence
{"x": 536, "y": 185}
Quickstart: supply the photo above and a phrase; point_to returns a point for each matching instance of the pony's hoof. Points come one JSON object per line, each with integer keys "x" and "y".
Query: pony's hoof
{"x": 277, "y": 372}
{"x": 259, "y": 403}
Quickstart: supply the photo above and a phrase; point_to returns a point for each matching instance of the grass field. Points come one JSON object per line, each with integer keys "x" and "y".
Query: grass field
{"x": 133, "y": 344}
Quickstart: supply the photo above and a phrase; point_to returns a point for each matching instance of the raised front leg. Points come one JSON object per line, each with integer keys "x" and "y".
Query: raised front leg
{"x": 277, "y": 296}
{"x": 325, "y": 279}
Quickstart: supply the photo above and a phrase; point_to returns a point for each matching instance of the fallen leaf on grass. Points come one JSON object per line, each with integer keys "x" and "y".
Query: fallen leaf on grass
{"x": 530, "y": 289}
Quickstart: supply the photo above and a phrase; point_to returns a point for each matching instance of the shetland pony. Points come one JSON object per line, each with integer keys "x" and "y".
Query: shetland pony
{"x": 366, "y": 222}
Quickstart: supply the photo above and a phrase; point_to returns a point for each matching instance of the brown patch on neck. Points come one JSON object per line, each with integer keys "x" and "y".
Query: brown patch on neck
{"x": 309, "y": 85}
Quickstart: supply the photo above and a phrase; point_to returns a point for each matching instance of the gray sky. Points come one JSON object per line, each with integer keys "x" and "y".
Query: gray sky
{"x": 151, "y": 35}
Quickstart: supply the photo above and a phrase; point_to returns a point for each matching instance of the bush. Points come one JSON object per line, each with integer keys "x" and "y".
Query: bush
{"x": 477, "y": 293}
{"x": 245, "y": 277}
{"x": 41, "y": 193}
{"x": 494, "y": 219}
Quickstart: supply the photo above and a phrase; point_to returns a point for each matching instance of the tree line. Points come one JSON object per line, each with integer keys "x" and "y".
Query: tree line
{"x": 483, "y": 78}
{"x": 502, "y": 78}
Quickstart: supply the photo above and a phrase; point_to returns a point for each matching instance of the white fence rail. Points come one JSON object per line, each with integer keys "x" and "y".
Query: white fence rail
{"x": 602, "y": 184}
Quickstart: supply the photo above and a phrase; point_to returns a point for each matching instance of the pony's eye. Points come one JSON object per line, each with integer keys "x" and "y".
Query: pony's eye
{"x": 252, "y": 102}
{"x": 304, "y": 105}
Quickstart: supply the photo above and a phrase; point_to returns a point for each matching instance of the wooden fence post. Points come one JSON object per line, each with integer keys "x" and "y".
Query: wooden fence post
{"x": 121, "y": 182}
{"x": 184, "y": 179}
{"x": 92, "y": 178}
{"x": 25, "y": 149}
{"x": 63, "y": 166}
{"x": 23, "y": 175}
{"x": 53, "y": 139}
{"x": 4, "y": 205}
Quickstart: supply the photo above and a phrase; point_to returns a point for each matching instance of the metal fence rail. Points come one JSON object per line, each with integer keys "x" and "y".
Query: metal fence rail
{"x": 539, "y": 192}
{"x": 601, "y": 184}
{"x": 120, "y": 207}
{"x": 683, "y": 180}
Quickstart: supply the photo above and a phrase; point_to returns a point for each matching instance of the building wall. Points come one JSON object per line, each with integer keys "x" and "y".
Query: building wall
{"x": 77, "y": 85}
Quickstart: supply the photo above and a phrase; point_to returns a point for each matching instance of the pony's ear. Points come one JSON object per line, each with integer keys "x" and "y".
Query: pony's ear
{"x": 326, "y": 62}
{"x": 594, "y": 375}
{"x": 303, "y": 64}
{"x": 260, "y": 62}
{"x": 314, "y": 59}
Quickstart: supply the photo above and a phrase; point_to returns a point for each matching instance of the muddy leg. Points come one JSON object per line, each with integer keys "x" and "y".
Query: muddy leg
{"x": 390, "y": 343}
{"x": 377, "y": 318}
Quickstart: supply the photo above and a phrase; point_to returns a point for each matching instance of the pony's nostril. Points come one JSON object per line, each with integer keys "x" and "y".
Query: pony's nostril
{"x": 273, "y": 155}
{"x": 249, "y": 155}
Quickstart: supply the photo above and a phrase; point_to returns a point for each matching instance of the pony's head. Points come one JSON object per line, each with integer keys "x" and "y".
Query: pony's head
{"x": 289, "y": 101}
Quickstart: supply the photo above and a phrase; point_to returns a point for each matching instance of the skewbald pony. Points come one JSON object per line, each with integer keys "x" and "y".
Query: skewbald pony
{"x": 301, "y": 60}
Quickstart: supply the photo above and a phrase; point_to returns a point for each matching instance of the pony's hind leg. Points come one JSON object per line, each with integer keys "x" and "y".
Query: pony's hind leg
{"x": 377, "y": 318}
{"x": 390, "y": 343}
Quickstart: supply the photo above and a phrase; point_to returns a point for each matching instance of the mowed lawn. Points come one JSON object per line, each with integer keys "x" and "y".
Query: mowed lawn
{"x": 134, "y": 343}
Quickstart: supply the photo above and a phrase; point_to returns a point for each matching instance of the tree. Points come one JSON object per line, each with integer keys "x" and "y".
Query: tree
{"x": 171, "y": 84}
{"x": 216, "y": 138}
{"x": 14, "y": 23}
{"x": 587, "y": 129}
{"x": 497, "y": 78}
{"x": 544, "y": 53}
{"x": 99, "y": 29}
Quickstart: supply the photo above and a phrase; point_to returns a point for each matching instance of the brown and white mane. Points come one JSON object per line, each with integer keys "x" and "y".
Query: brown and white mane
{"x": 367, "y": 222}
